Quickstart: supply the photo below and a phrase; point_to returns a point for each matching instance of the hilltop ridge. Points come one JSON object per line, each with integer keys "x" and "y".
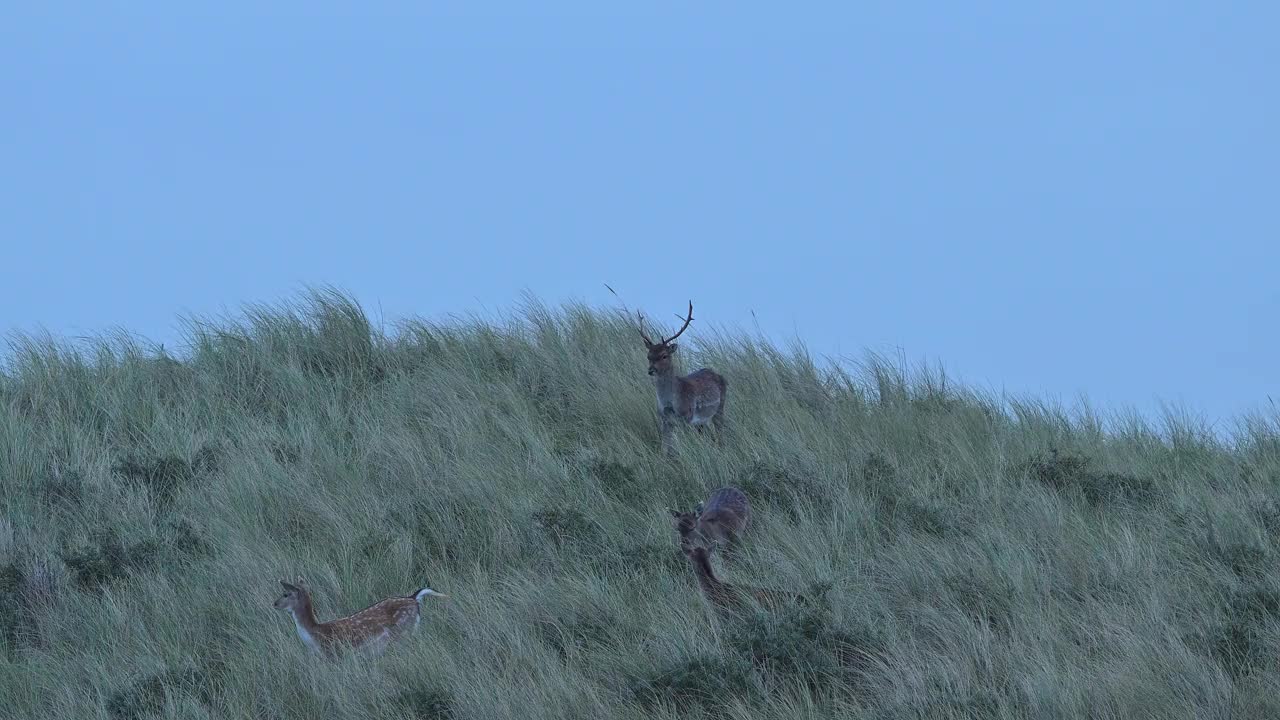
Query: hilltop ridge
{"x": 977, "y": 558}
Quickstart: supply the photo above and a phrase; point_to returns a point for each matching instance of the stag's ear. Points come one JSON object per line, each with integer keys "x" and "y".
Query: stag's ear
{"x": 697, "y": 510}
{"x": 671, "y": 347}
{"x": 675, "y": 513}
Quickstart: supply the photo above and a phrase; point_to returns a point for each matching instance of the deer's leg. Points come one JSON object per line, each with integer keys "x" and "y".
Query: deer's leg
{"x": 717, "y": 421}
{"x": 664, "y": 429}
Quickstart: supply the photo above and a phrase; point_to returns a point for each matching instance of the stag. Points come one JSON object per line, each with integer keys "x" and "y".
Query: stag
{"x": 697, "y": 398}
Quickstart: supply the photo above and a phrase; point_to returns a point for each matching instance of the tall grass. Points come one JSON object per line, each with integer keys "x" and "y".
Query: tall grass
{"x": 977, "y": 558}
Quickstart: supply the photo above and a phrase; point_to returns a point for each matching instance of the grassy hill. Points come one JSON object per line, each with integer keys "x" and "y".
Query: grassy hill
{"x": 977, "y": 558}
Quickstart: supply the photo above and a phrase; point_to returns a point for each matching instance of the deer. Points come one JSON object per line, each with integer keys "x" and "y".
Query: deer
{"x": 697, "y": 398}
{"x": 372, "y": 628}
{"x": 719, "y": 522}
{"x": 733, "y": 598}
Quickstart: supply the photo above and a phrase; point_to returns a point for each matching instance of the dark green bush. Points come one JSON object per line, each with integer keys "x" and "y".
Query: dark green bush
{"x": 106, "y": 559}
{"x": 567, "y": 525}
{"x": 1073, "y": 474}
{"x": 427, "y": 704}
{"x": 800, "y": 647}
{"x": 146, "y": 697}
{"x": 163, "y": 476}
{"x": 578, "y": 630}
{"x": 707, "y": 683}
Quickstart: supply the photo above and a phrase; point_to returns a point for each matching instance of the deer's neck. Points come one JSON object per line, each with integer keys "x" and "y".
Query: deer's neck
{"x": 667, "y": 384}
{"x": 304, "y": 621}
{"x": 706, "y": 578}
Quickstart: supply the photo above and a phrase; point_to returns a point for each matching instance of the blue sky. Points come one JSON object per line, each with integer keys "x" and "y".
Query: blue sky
{"x": 1055, "y": 201}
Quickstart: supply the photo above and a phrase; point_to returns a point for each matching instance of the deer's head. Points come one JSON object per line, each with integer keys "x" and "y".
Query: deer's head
{"x": 686, "y": 525}
{"x": 660, "y": 352}
{"x": 294, "y": 597}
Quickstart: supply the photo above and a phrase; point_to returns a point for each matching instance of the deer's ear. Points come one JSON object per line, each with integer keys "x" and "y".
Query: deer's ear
{"x": 674, "y": 513}
{"x": 697, "y": 510}
{"x": 671, "y": 347}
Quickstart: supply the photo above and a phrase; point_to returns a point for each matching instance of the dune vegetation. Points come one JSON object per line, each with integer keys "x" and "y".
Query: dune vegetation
{"x": 969, "y": 556}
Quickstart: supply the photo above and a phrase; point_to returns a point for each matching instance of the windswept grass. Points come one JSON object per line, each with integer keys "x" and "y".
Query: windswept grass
{"x": 975, "y": 559}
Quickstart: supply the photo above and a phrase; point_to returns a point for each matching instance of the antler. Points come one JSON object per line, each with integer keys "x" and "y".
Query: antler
{"x": 627, "y": 311}
{"x": 664, "y": 341}
{"x": 640, "y": 317}
{"x": 682, "y": 327}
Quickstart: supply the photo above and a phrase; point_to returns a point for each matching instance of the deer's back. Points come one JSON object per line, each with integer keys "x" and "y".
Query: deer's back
{"x": 704, "y": 381}
{"x": 393, "y": 615}
{"x": 726, "y": 508}
{"x": 703, "y": 388}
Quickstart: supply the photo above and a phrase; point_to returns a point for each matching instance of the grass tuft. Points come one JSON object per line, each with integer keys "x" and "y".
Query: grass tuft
{"x": 427, "y": 704}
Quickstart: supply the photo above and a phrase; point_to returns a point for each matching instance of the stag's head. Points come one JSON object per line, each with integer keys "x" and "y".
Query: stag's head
{"x": 660, "y": 352}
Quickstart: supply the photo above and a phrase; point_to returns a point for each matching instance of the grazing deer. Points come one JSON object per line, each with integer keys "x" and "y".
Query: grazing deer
{"x": 375, "y": 626}
{"x": 732, "y": 597}
{"x": 720, "y": 521}
{"x": 697, "y": 398}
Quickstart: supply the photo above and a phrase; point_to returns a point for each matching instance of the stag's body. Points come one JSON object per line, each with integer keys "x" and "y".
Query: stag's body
{"x": 731, "y": 597}
{"x": 697, "y": 398}
{"x": 720, "y": 521}
{"x": 374, "y": 627}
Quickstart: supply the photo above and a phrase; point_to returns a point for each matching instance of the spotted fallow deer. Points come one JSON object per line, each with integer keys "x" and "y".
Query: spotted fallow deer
{"x": 372, "y": 628}
{"x": 697, "y": 398}
{"x": 719, "y": 522}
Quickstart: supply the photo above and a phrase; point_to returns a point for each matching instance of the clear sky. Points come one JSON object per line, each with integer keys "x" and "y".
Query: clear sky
{"x": 1055, "y": 201}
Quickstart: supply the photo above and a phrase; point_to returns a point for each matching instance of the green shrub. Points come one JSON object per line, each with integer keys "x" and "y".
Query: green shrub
{"x": 427, "y": 704}
{"x": 107, "y": 559}
{"x": 705, "y": 682}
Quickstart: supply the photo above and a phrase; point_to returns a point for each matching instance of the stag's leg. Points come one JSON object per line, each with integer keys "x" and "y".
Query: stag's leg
{"x": 718, "y": 422}
{"x": 718, "y": 418}
{"x": 665, "y": 425}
